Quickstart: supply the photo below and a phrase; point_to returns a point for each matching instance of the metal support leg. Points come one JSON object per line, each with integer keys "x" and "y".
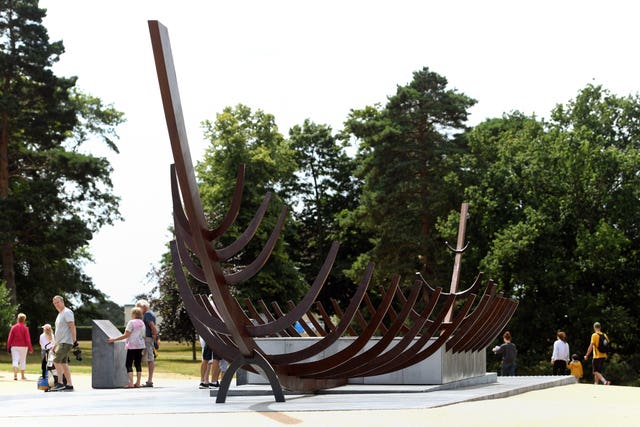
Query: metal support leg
{"x": 260, "y": 363}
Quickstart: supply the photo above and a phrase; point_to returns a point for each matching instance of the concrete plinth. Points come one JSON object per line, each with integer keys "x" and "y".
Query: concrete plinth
{"x": 108, "y": 364}
{"x": 442, "y": 367}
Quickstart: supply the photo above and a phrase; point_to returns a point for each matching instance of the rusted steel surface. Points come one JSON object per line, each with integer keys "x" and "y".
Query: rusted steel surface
{"x": 422, "y": 323}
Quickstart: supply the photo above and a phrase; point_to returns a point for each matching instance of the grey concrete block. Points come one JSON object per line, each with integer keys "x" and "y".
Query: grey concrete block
{"x": 108, "y": 364}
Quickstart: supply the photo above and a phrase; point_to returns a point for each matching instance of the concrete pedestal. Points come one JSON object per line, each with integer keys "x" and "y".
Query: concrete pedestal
{"x": 442, "y": 367}
{"x": 107, "y": 367}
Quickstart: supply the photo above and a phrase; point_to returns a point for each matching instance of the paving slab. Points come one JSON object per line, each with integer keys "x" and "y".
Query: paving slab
{"x": 181, "y": 397}
{"x": 519, "y": 401}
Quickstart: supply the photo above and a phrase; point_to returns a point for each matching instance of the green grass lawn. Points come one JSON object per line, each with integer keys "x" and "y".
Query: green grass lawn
{"x": 175, "y": 359}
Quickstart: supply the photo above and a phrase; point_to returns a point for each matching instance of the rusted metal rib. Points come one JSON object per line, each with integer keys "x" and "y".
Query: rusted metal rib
{"x": 182, "y": 224}
{"x": 312, "y": 332}
{"x": 382, "y": 328}
{"x": 437, "y": 344}
{"x": 254, "y": 268}
{"x": 354, "y": 363}
{"x": 256, "y": 315}
{"x": 475, "y": 286}
{"x": 340, "y": 314}
{"x": 507, "y": 310}
{"x": 484, "y": 325}
{"x": 409, "y": 345}
{"x": 399, "y": 349}
{"x": 338, "y": 358}
{"x": 193, "y": 308}
{"x": 304, "y": 305}
{"x": 472, "y": 324}
{"x": 290, "y": 329}
{"x": 234, "y": 248}
{"x": 271, "y": 318}
{"x": 413, "y": 315}
{"x": 336, "y": 332}
{"x": 232, "y": 212}
{"x": 329, "y": 325}
{"x": 231, "y": 313}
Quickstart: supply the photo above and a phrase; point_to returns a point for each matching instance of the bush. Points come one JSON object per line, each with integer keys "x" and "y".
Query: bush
{"x": 7, "y": 312}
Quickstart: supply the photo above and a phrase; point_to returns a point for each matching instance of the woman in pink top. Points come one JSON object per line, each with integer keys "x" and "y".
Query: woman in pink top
{"x": 18, "y": 343}
{"x": 134, "y": 334}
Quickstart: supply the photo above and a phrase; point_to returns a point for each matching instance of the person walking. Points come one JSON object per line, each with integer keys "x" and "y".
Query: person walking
{"x": 46, "y": 344}
{"x": 598, "y": 357}
{"x": 151, "y": 338}
{"x": 561, "y": 354}
{"x": 135, "y": 343}
{"x": 575, "y": 366}
{"x": 18, "y": 343}
{"x": 509, "y": 352}
{"x": 66, "y": 339}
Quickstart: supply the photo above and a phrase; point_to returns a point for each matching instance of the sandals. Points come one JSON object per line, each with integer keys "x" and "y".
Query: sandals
{"x": 147, "y": 384}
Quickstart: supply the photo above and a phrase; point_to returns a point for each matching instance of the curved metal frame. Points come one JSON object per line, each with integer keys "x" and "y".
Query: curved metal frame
{"x": 227, "y": 328}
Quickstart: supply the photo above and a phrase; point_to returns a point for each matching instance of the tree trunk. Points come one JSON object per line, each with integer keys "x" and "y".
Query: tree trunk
{"x": 7, "y": 245}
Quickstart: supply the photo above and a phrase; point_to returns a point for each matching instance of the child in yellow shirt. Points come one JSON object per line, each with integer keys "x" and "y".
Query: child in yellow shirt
{"x": 575, "y": 366}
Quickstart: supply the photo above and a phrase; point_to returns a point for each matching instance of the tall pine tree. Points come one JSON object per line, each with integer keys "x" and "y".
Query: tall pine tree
{"x": 405, "y": 157}
{"x": 53, "y": 196}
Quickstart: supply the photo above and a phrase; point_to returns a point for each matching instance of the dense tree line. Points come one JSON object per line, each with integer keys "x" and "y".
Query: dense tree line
{"x": 554, "y": 205}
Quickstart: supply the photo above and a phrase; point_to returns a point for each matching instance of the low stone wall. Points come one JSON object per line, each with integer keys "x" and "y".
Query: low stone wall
{"x": 442, "y": 367}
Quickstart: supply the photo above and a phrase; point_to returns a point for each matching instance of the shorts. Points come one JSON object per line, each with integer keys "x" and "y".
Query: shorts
{"x": 62, "y": 352}
{"x": 147, "y": 354}
{"x": 208, "y": 354}
{"x": 598, "y": 364}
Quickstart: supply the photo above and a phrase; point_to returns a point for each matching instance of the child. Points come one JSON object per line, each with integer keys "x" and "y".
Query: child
{"x": 575, "y": 366}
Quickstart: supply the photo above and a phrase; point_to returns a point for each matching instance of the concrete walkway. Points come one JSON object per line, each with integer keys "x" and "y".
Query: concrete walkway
{"x": 510, "y": 401}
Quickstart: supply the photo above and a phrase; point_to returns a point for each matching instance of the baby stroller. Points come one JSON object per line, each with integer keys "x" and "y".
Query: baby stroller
{"x": 49, "y": 375}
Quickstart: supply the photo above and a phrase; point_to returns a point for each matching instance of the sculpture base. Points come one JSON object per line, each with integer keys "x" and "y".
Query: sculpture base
{"x": 442, "y": 367}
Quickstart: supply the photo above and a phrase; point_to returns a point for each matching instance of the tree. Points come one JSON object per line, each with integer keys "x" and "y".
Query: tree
{"x": 241, "y": 136}
{"x": 53, "y": 194}
{"x": 405, "y": 155}
{"x": 555, "y": 212}
{"x": 7, "y": 312}
{"x": 325, "y": 188}
{"x": 176, "y": 324}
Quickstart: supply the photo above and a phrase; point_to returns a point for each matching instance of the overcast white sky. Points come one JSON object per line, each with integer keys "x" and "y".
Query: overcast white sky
{"x": 314, "y": 59}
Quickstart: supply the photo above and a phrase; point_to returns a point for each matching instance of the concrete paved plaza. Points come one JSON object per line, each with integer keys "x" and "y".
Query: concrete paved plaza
{"x": 512, "y": 401}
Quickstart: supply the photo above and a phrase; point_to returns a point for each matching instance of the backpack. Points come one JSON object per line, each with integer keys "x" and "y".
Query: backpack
{"x": 604, "y": 345}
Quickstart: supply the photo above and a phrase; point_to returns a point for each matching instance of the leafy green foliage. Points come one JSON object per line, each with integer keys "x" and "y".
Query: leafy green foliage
{"x": 325, "y": 188}
{"x": 240, "y": 135}
{"x": 406, "y": 151}
{"x": 53, "y": 195}
{"x": 7, "y": 312}
{"x": 556, "y": 208}
{"x": 553, "y": 219}
{"x": 176, "y": 325}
